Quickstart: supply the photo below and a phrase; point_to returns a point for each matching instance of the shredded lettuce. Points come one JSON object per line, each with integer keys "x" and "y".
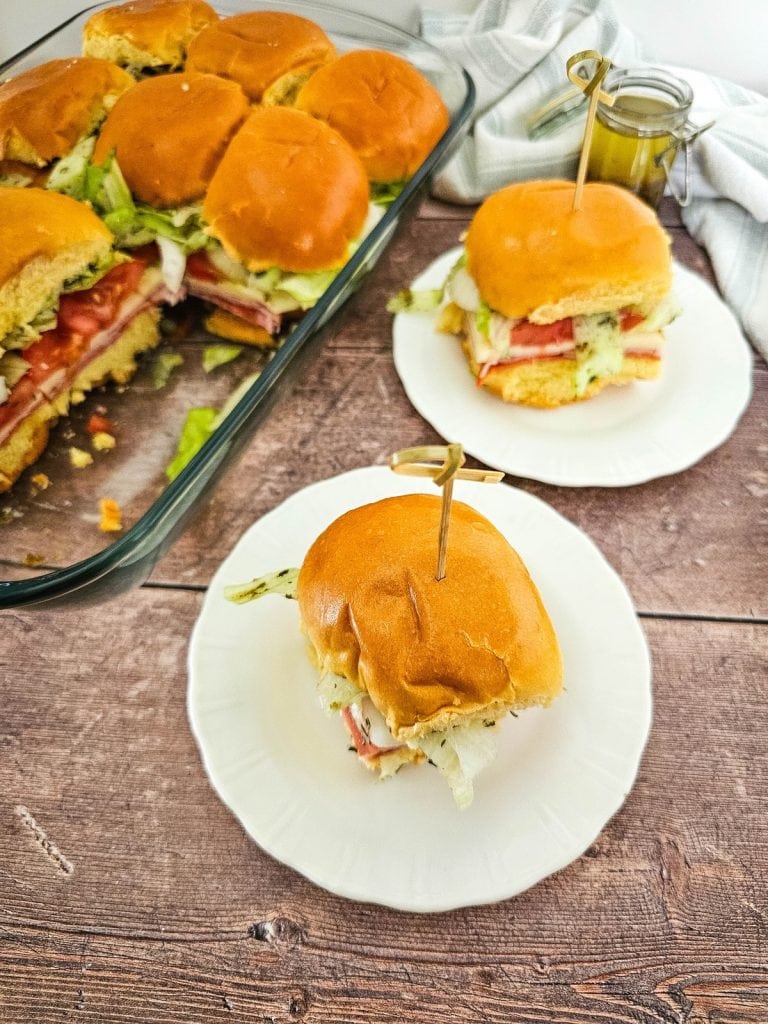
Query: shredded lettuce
{"x": 133, "y": 223}
{"x": 165, "y": 363}
{"x": 200, "y": 424}
{"x": 25, "y": 334}
{"x": 460, "y": 754}
{"x": 70, "y": 172}
{"x": 281, "y": 582}
{"x": 408, "y": 301}
{"x": 306, "y": 289}
{"x": 385, "y": 193}
{"x": 93, "y": 272}
{"x": 15, "y": 180}
{"x": 173, "y": 263}
{"x": 198, "y": 427}
{"x": 337, "y": 692}
{"x": 218, "y": 355}
{"x": 12, "y": 367}
{"x": 483, "y": 319}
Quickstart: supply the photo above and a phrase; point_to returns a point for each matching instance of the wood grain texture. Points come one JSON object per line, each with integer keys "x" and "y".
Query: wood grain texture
{"x": 171, "y": 914}
{"x": 694, "y": 543}
{"x": 128, "y": 892}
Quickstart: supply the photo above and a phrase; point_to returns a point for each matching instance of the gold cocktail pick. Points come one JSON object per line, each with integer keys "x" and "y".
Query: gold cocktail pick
{"x": 591, "y": 88}
{"x": 420, "y": 462}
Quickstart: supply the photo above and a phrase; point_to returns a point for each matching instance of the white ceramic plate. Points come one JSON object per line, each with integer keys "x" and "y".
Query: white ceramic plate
{"x": 622, "y": 436}
{"x": 285, "y": 770}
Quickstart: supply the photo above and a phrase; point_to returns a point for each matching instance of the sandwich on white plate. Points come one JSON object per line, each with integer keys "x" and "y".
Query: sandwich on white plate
{"x": 420, "y": 670}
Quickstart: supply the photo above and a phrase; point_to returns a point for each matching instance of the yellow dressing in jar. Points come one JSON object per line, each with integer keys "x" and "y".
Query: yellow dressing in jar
{"x": 635, "y": 138}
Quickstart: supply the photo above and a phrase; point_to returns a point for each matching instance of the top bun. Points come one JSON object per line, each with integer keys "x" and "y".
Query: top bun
{"x": 169, "y": 134}
{"x": 430, "y": 655}
{"x": 45, "y": 239}
{"x": 390, "y": 114}
{"x": 262, "y": 49}
{"x": 44, "y": 112}
{"x": 146, "y": 33}
{"x": 531, "y": 255}
{"x": 289, "y": 193}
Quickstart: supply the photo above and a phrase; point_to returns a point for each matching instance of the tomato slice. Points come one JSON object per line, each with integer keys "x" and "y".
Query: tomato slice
{"x": 526, "y": 333}
{"x": 628, "y": 319}
{"x": 88, "y": 312}
{"x": 80, "y": 316}
{"x": 199, "y": 266}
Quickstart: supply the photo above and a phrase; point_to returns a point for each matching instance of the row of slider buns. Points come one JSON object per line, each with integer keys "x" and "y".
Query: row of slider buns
{"x": 199, "y": 189}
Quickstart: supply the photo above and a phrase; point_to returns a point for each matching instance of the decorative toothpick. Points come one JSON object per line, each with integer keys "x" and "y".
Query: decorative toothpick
{"x": 416, "y": 462}
{"x": 591, "y": 88}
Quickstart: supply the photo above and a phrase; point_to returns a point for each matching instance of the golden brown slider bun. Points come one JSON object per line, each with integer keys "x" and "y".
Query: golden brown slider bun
{"x": 118, "y": 363}
{"x": 430, "y": 655}
{"x": 45, "y": 239}
{"x": 390, "y": 114}
{"x": 548, "y": 383}
{"x": 44, "y": 112}
{"x": 146, "y": 33}
{"x": 289, "y": 192}
{"x": 531, "y": 255}
{"x": 169, "y": 134}
{"x": 260, "y": 48}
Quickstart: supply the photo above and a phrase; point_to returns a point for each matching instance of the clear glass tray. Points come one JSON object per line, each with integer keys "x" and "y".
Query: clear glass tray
{"x": 51, "y": 548}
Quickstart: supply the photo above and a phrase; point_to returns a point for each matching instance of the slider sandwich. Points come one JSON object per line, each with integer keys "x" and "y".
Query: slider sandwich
{"x": 146, "y": 36}
{"x": 73, "y": 313}
{"x": 553, "y": 304}
{"x": 440, "y": 663}
{"x": 389, "y": 113}
{"x": 47, "y": 111}
{"x": 284, "y": 211}
{"x": 269, "y": 53}
{"x": 153, "y": 160}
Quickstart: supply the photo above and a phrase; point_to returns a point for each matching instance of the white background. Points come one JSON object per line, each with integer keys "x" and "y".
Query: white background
{"x": 726, "y": 37}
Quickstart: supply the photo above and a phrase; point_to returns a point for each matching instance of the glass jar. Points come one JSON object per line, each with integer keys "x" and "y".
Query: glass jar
{"x": 636, "y": 140}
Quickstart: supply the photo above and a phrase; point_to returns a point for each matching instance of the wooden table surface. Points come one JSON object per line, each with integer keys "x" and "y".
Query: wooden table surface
{"x": 128, "y": 892}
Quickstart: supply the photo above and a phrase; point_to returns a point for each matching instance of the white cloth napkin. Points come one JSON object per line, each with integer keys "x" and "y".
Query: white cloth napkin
{"x": 516, "y": 51}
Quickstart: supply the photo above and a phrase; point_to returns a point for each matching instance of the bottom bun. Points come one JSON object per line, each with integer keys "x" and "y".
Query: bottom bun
{"x": 549, "y": 383}
{"x": 27, "y": 443}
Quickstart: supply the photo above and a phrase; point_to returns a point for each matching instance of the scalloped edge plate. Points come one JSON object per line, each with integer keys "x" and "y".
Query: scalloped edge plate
{"x": 284, "y": 769}
{"x": 623, "y": 436}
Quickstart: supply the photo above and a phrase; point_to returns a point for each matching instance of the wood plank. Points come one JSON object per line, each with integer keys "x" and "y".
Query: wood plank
{"x": 170, "y": 913}
{"x": 692, "y": 543}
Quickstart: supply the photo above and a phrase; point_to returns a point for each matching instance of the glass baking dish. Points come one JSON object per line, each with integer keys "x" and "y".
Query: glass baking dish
{"x": 51, "y": 548}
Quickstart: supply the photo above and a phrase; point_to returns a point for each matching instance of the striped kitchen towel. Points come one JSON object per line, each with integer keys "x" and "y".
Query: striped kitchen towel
{"x": 516, "y": 51}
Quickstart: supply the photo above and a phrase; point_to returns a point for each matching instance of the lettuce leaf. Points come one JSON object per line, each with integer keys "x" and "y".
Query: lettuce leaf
{"x": 198, "y": 427}
{"x": 281, "y": 582}
{"x": 408, "y": 301}
{"x": 385, "y": 193}
{"x": 133, "y": 223}
{"x": 165, "y": 363}
{"x": 218, "y": 355}
{"x": 200, "y": 424}
{"x": 460, "y": 754}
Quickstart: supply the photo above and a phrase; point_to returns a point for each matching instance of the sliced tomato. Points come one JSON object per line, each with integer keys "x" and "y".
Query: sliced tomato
{"x": 98, "y": 424}
{"x": 199, "y": 266}
{"x": 88, "y": 312}
{"x": 526, "y": 333}
{"x": 628, "y": 319}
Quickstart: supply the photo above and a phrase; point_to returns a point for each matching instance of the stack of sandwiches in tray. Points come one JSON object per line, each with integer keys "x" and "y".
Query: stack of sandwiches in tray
{"x": 239, "y": 160}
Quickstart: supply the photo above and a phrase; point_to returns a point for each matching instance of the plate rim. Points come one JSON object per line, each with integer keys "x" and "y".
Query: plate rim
{"x": 686, "y": 458}
{"x": 417, "y": 904}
